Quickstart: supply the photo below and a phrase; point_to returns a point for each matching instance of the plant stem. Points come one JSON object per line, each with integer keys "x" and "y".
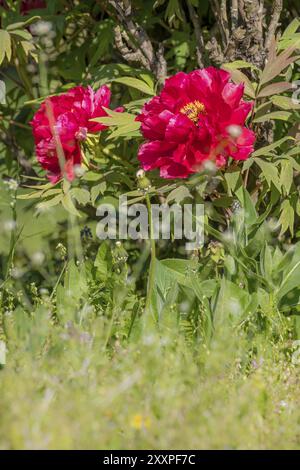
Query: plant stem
{"x": 151, "y": 277}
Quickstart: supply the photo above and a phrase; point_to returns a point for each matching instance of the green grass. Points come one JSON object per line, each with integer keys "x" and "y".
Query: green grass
{"x": 61, "y": 390}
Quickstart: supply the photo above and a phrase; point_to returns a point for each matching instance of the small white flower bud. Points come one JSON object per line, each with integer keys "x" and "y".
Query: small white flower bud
{"x": 140, "y": 174}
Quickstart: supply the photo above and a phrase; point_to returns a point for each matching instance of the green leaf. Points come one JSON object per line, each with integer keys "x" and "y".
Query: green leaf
{"x": 286, "y": 175}
{"x": 274, "y": 89}
{"x": 128, "y": 130}
{"x": 178, "y": 194}
{"x": 275, "y": 67}
{"x": 69, "y": 204}
{"x": 284, "y": 102}
{"x": 96, "y": 190}
{"x": 248, "y": 205}
{"x": 233, "y": 180}
{"x": 291, "y": 278}
{"x": 101, "y": 261}
{"x": 81, "y": 195}
{"x": 5, "y": 45}
{"x": 239, "y": 64}
{"x": 231, "y": 305}
{"x": 43, "y": 206}
{"x": 114, "y": 118}
{"x": 179, "y": 269}
{"x": 137, "y": 84}
{"x": 270, "y": 172}
{"x": 280, "y": 115}
{"x": 268, "y": 148}
{"x": 21, "y": 34}
{"x": 287, "y": 217}
{"x": 23, "y": 24}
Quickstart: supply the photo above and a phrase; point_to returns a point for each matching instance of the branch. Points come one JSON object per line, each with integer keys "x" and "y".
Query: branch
{"x": 130, "y": 55}
{"x": 139, "y": 47}
{"x": 234, "y": 14}
{"x": 220, "y": 14}
{"x": 277, "y": 8}
{"x": 198, "y": 33}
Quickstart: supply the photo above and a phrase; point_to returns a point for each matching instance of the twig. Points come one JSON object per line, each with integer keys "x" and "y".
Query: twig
{"x": 234, "y": 11}
{"x": 277, "y": 8}
{"x": 198, "y": 33}
{"x": 138, "y": 47}
{"x": 222, "y": 23}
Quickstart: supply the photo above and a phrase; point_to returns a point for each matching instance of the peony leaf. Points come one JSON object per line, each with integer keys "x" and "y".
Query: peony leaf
{"x": 239, "y": 64}
{"x": 286, "y": 175}
{"x": 270, "y": 172}
{"x": 284, "y": 102}
{"x": 137, "y": 84}
{"x": 5, "y": 45}
{"x": 128, "y": 130}
{"x": 279, "y": 115}
{"x": 281, "y": 62}
{"x": 81, "y": 195}
{"x": 69, "y": 205}
{"x": 287, "y": 217}
{"x": 274, "y": 89}
{"x": 268, "y": 148}
{"x": 22, "y": 24}
{"x": 43, "y": 206}
{"x": 178, "y": 194}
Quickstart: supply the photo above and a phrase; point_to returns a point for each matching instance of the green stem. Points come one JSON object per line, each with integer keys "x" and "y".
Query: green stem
{"x": 151, "y": 278}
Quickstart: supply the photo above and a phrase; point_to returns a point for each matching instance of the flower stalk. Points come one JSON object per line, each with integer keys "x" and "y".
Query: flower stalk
{"x": 151, "y": 278}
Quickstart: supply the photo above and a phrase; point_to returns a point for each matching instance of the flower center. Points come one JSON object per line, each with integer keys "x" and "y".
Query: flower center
{"x": 193, "y": 109}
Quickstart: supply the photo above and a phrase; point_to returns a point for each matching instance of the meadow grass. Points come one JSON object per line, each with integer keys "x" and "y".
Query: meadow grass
{"x": 61, "y": 390}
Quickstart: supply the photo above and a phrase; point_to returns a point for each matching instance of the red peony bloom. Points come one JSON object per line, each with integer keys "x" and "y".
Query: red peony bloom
{"x": 61, "y": 123}
{"x": 28, "y": 5}
{"x": 197, "y": 117}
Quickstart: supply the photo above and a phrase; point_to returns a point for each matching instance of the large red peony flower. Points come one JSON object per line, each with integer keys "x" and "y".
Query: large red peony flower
{"x": 27, "y": 5}
{"x": 197, "y": 117}
{"x": 61, "y": 123}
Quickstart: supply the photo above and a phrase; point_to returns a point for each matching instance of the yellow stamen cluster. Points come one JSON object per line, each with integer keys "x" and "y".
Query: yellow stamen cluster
{"x": 193, "y": 109}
